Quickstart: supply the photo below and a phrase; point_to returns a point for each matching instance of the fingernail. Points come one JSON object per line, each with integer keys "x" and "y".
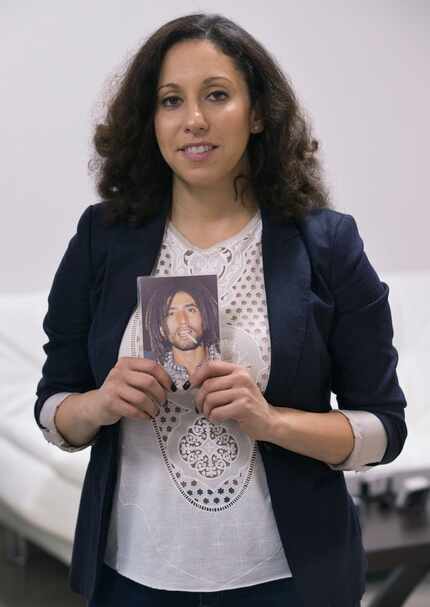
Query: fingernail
{"x": 186, "y": 385}
{"x": 173, "y": 387}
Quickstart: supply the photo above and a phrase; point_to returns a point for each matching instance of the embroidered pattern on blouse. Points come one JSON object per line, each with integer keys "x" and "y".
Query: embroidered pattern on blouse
{"x": 205, "y": 454}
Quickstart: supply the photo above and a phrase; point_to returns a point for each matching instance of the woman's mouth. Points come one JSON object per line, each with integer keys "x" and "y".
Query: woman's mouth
{"x": 198, "y": 152}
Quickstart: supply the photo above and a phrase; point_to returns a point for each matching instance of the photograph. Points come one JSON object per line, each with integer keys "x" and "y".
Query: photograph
{"x": 180, "y": 322}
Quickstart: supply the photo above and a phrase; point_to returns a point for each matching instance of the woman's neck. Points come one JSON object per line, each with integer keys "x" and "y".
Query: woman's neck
{"x": 209, "y": 216}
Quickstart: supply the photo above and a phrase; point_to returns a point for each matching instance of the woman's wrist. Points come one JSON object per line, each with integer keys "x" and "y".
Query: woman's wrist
{"x": 326, "y": 436}
{"x": 278, "y": 427}
{"x": 89, "y": 409}
{"x": 75, "y": 418}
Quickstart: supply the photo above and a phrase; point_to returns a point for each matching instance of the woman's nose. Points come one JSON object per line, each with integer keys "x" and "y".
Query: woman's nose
{"x": 195, "y": 119}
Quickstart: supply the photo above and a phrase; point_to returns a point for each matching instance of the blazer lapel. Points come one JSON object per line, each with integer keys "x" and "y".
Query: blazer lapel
{"x": 286, "y": 269}
{"x": 133, "y": 253}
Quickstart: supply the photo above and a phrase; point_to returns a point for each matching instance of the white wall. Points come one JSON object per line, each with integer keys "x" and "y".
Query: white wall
{"x": 361, "y": 69}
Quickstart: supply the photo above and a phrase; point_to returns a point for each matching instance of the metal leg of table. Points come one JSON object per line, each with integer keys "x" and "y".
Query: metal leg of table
{"x": 399, "y": 585}
{"x": 16, "y": 547}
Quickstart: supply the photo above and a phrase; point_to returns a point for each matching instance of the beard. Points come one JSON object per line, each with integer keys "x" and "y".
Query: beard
{"x": 186, "y": 343}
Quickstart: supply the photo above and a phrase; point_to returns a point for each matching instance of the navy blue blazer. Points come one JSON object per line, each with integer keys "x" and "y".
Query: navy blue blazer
{"x": 330, "y": 330}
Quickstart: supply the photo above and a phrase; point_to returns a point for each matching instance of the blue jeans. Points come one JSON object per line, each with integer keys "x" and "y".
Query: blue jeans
{"x": 115, "y": 590}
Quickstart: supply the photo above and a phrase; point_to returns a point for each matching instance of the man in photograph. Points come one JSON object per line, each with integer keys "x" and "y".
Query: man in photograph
{"x": 182, "y": 322}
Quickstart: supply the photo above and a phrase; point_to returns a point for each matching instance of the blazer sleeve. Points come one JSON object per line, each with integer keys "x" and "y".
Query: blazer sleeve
{"x": 364, "y": 360}
{"x": 67, "y": 322}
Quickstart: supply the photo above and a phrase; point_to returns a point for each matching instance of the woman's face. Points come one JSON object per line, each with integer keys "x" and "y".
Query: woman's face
{"x": 202, "y": 97}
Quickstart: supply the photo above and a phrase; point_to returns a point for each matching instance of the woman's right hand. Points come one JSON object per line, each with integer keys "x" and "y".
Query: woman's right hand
{"x": 134, "y": 388}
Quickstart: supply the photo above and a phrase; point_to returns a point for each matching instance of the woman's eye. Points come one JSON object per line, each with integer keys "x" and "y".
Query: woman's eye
{"x": 218, "y": 93}
{"x": 169, "y": 99}
{"x": 172, "y": 100}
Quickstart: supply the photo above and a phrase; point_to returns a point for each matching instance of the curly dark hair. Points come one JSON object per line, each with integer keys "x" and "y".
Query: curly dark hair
{"x": 132, "y": 176}
{"x": 158, "y": 306}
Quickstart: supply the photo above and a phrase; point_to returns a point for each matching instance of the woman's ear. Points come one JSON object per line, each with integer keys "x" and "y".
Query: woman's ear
{"x": 257, "y": 127}
{"x": 256, "y": 119}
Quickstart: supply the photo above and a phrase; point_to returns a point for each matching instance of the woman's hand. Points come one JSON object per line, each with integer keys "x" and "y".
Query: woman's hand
{"x": 227, "y": 391}
{"x": 134, "y": 388}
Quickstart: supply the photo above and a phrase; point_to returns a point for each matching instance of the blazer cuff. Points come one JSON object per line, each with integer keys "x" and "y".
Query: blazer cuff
{"x": 370, "y": 441}
{"x": 47, "y": 419}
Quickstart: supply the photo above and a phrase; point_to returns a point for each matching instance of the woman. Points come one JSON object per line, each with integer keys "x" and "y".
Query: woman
{"x": 206, "y": 165}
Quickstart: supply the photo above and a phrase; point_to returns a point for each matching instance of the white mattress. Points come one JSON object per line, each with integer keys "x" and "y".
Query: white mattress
{"x": 39, "y": 482}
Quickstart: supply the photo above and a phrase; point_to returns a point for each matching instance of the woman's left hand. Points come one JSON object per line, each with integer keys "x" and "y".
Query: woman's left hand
{"x": 227, "y": 391}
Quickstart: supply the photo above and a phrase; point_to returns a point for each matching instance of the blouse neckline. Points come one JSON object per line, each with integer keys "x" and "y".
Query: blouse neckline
{"x": 222, "y": 243}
